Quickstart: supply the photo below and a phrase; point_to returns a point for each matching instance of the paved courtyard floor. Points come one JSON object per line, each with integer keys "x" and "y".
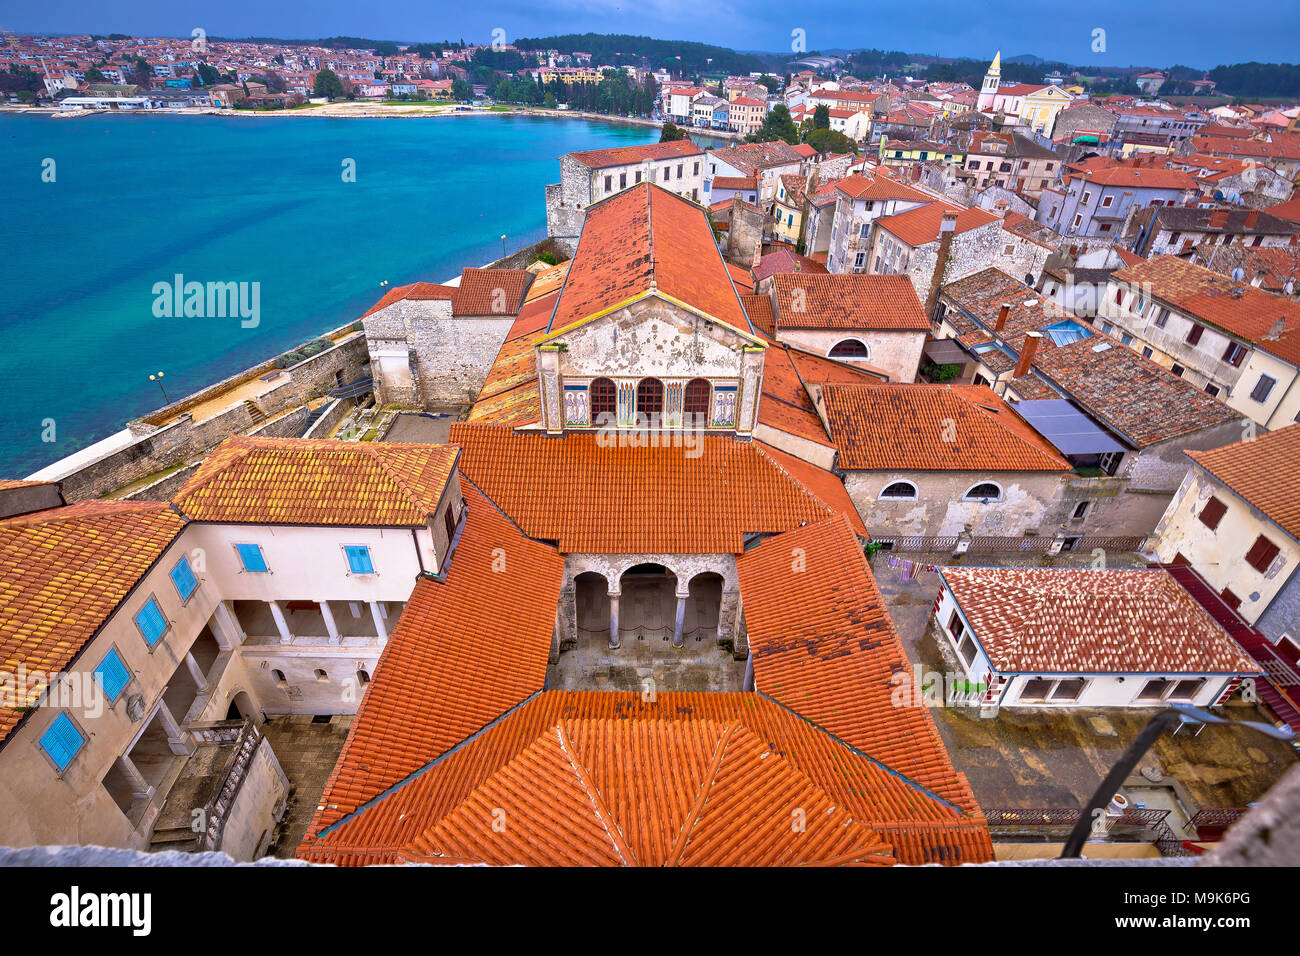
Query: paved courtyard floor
{"x": 307, "y": 752}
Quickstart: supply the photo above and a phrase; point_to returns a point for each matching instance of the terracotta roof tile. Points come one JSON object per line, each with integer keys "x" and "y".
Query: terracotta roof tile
{"x": 464, "y": 651}
{"x": 851, "y": 301}
{"x": 1265, "y": 471}
{"x": 63, "y": 572}
{"x": 1085, "y": 621}
{"x": 318, "y": 482}
{"x": 890, "y": 427}
{"x": 641, "y": 238}
{"x": 625, "y": 155}
{"x": 558, "y": 489}
{"x": 490, "y": 292}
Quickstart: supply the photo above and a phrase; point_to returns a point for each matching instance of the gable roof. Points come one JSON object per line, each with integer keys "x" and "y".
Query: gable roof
{"x": 901, "y": 427}
{"x": 559, "y": 489}
{"x": 318, "y": 482}
{"x": 1264, "y": 471}
{"x": 626, "y": 155}
{"x": 1086, "y": 621}
{"x": 847, "y": 301}
{"x": 63, "y": 572}
{"x": 618, "y": 259}
{"x": 919, "y": 226}
{"x": 490, "y": 291}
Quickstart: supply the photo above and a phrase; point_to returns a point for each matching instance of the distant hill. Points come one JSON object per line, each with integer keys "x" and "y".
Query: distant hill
{"x": 621, "y": 49}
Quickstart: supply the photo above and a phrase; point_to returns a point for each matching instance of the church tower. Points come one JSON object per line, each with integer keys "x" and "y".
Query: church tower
{"x": 990, "y": 88}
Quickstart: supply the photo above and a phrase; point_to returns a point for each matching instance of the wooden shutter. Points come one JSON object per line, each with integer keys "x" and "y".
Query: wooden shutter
{"x": 1261, "y": 554}
{"x": 1212, "y": 513}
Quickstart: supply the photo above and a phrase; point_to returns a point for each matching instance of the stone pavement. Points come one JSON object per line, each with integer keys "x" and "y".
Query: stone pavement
{"x": 307, "y": 752}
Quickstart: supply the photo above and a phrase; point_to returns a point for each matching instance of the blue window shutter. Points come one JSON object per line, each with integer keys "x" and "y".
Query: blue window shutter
{"x": 113, "y": 675}
{"x": 151, "y": 622}
{"x": 62, "y": 741}
{"x": 251, "y": 557}
{"x": 183, "y": 578}
{"x": 359, "y": 559}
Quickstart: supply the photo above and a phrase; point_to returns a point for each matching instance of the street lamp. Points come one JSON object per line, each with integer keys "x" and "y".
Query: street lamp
{"x": 503, "y": 247}
{"x": 158, "y": 378}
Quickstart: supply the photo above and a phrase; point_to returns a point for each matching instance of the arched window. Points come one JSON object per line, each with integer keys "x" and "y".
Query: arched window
{"x": 850, "y": 349}
{"x": 363, "y": 678}
{"x": 279, "y": 676}
{"x": 899, "y": 489}
{"x": 649, "y": 401}
{"x": 603, "y": 401}
{"x": 984, "y": 491}
{"x": 695, "y": 403}
{"x": 321, "y": 675}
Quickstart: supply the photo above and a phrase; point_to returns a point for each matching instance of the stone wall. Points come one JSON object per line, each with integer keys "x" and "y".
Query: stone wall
{"x": 744, "y": 232}
{"x": 171, "y": 437}
{"x": 977, "y": 249}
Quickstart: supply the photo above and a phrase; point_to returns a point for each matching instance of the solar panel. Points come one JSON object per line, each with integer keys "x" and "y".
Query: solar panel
{"x": 1066, "y": 427}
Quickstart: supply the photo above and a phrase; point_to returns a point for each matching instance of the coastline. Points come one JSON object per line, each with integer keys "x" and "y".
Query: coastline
{"x": 357, "y": 110}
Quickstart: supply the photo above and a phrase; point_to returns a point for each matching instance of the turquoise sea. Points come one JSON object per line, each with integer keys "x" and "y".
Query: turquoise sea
{"x": 138, "y": 199}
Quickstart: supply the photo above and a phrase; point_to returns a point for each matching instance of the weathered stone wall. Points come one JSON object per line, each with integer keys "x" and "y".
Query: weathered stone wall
{"x": 977, "y": 249}
{"x": 161, "y": 446}
{"x": 745, "y": 232}
{"x": 896, "y": 352}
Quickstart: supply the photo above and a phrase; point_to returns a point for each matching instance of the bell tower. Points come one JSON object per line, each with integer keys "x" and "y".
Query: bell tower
{"x": 991, "y": 80}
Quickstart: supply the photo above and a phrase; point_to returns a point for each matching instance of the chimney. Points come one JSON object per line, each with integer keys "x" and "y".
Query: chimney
{"x": 1252, "y": 217}
{"x": 1218, "y": 218}
{"x": 1027, "y": 354}
{"x": 1002, "y": 317}
{"x": 1276, "y": 331}
{"x": 947, "y": 227}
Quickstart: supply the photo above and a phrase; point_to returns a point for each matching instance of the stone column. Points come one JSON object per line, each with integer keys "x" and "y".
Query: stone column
{"x": 380, "y": 629}
{"x": 196, "y": 672}
{"x": 330, "y": 624}
{"x": 229, "y": 633}
{"x": 749, "y": 672}
{"x": 179, "y": 741}
{"x": 680, "y": 620}
{"x": 140, "y": 787}
{"x": 281, "y": 623}
{"x": 613, "y": 618}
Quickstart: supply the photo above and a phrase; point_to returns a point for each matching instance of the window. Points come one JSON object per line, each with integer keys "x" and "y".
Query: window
{"x": 1211, "y": 390}
{"x": 1261, "y": 554}
{"x": 251, "y": 557}
{"x": 697, "y": 169}
{"x": 863, "y": 229}
{"x": 1212, "y": 513}
{"x": 1195, "y": 334}
{"x": 1125, "y": 338}
{"x": 1230, "y": 599}
{"x": 363, "y": 678}
{"x": 609, "y": 183}
{"x": 1080, "y": 509}
{"x": 1154, "y": 689}
{"x": 149, "y": 619}
{"x": 649, "y": 401}
{"x": 1162, "y": 319}
{"x": 984, "y": 491}
{"x": 1109, "y": 462}
{"x": 1104, "y": 227}
{"x": 680, "y": 167}
{"x": 859, "y": 260}
{"x": 1186, "y": 689}
{"x": 182, "y": 576}
{"x": 1146, "y": 351}
{"x": 321, "y": 675}
{"x": 1177, "y": 369}
{"x": 967, "y": 650}
{"x": 668, "y": 173}
{"x": 112, "y": 675}
{"x": 955, "y": 626}
{"x": 602, "y": 397}
{"x": 359, "y": 559}
{"x": 449, "y": 522}
{"x": 1071, "y": 689}
{"x": 279, "y": 677}
{"x": 899, "y": 490}
{"x": 695, "y": 403}
{"x": 1262, "y": 388}
{"x": 1234, "y": 354}
{"x": 849, "y": 348}
{"x": 1087, "y": 198}
{"x": 1077, "y": 220}
{"x": 622, "y": 180}
{"x": 638, "y": 175}
{"x": 62, "y": 741}
{"x": 1036, "y": 688}
{"x": 1106, "y": 201}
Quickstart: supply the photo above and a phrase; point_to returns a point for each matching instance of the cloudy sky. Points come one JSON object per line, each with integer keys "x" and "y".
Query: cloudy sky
{"x": 1199, "y": 33}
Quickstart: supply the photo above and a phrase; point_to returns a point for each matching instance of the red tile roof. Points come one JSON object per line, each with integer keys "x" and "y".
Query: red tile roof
{"x": 1287, "y": 210}
{"x": 1265, "y": 471}
{"x": 1269, "y": 321}
{"x": 903, "y": 427}
{"x": 318, "y": 482}
{"x": 919, "y": 226}
{"x": 416, "y": 290}
{"x": 63, "y": 572}
{"x": 625, "y": 155}
{"x": 558, "y": 489}
{"x": 847, "y": 302}
{"x": 490, "y": 292}
{"x": 641, "y": 239}
{"x": 1143, "y": 177}
{"x": 1085, "y": 621}
{"x": 465, "y": 650}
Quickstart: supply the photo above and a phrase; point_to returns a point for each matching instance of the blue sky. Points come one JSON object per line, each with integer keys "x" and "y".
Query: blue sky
{"x": 1199, "y": 33}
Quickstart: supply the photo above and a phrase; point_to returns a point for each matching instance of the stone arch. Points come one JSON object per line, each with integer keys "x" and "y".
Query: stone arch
{"x": 649, "y": 402}
{"x": 704, "y": 609}
{"x": 242, "y": 707}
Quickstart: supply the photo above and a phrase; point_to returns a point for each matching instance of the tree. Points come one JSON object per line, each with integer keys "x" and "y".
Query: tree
{"x": 822, "y": 117}
{"x": 549, "y": 100}
{"x": 94, "y": 76}
{"x": 771, "y": 82}
{"x": 671, "y": 132}
{"x": 461, "y": 91}
{"x": 831, "y": 141}
{"x": 328, "y": 84}
{"x": 779, "y": 124}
